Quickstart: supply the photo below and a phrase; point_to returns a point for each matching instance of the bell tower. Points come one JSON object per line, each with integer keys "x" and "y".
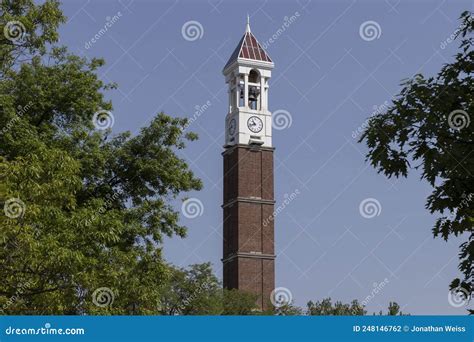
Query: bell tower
{"x": 248, "y": 206}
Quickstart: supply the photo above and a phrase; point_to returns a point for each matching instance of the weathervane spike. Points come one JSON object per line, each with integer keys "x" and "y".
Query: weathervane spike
{"x": 247, "y": 29}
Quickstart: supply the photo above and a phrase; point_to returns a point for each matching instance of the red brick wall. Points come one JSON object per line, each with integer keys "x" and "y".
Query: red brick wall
{"x": 248, "y": 173}
{"x": 248, "y": 222}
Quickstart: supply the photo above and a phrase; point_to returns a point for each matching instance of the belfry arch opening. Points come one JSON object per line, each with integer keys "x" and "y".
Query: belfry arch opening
{"x": 254, "y": 76}
{"x": 254, "y": 89}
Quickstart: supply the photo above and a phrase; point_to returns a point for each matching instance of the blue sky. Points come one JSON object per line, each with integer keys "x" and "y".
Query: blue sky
{"x": 329, "y": 76}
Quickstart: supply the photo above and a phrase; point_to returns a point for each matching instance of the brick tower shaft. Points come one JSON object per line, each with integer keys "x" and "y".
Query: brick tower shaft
{"x": 248, "y": 221}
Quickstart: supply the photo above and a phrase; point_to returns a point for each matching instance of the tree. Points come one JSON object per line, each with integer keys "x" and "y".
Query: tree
{"x": 235, "y": 302}
{"x": 286, "y": 310}
{"x": 85, "y": 211}
{"x": 197, "y": 291}
{"x": 394, "y": 309}
{"x": 326, "y": 308}
{"x": 428, "y": 127}
{"x": 192, "y": 291}
{"x": 27, "y": 30}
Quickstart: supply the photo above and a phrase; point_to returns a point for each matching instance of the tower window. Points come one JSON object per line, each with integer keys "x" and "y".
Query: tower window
{"x": 253, "y": 76}
{"x": 254, "y": 93}
{"x": 254, "y": 89}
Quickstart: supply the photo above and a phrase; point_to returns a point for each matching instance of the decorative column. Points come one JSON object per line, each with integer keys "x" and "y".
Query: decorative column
{"x": 246, "y": 91}
{"x": 236, "y": 89}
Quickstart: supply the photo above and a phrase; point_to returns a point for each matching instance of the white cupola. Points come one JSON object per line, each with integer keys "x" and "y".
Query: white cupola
{"x": 247, "y": 73}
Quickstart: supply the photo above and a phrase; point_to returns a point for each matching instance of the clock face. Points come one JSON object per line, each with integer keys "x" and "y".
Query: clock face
{"x": 232, "y": 126}
{"x": 255, "y": 124}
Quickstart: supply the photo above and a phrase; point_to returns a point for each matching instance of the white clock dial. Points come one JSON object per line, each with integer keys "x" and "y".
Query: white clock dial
{"x": 232, "y": 126}
{"x": 255, "y": 124}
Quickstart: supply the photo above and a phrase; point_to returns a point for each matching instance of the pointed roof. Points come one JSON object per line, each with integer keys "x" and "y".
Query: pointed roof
{"x": 249, "y": 49}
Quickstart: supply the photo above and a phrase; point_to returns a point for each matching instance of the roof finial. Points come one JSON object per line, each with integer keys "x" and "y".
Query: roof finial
{"x": 247, "y": 28}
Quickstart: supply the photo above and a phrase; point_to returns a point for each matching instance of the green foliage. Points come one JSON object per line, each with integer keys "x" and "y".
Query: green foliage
{"x": 394, "y": 309}
{"x": 192, "y": 291}
{"x": 428, "y": 127}
{"x": 197, "y": 291}
{"x": 239, "y": 303}
{"x": 327, "y": 308}
{"x": 38, "y": 28}
{"x": 94, "y": 207}
{"x": 286, "y": 310}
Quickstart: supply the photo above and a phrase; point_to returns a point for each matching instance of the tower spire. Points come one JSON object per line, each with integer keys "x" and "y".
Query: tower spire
{"x": 247, "y": 28}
